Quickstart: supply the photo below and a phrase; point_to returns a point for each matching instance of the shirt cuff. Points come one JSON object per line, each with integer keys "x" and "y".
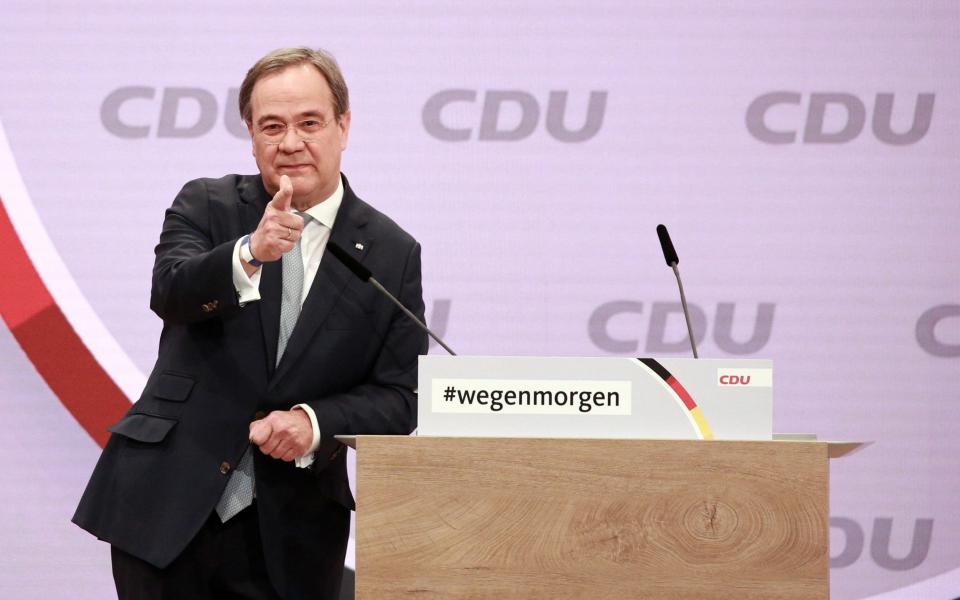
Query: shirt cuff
{"x": 248, "y": 288}
{"x": 307, "y": 459}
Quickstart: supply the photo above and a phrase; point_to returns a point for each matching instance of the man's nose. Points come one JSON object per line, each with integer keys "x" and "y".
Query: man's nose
{"x": 291, "y": 141}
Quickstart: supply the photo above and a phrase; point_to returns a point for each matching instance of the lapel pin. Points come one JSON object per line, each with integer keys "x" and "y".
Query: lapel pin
{"x": 358, "y": 246}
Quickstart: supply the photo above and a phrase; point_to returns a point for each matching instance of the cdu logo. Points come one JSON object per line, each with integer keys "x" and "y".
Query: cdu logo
{"x": 851, "y": 538}
{"x": 439, "y": 318}
{"x": 509, "y": 116}
{"x": 933, "y": 339}
{"x": 612, "y": 328}
{"x": 836, "y": 118}
{"x": 182, "y": 112}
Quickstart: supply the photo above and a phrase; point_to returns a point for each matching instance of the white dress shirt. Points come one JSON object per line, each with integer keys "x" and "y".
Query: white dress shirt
{"x": 313, "y": 242}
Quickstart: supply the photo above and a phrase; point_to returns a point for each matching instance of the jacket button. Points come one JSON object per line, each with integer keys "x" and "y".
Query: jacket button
{"x": 259, "y": 415}
{"x": 224, "y": 468}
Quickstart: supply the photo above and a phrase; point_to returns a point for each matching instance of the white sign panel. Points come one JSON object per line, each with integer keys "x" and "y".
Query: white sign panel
{"x": 614, "y": 397}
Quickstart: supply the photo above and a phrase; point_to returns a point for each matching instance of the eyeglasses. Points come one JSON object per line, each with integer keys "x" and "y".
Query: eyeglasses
{"x": 273, "y": 133}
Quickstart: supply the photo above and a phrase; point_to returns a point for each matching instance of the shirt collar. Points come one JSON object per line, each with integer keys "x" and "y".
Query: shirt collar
{"x": 326, "y": 212}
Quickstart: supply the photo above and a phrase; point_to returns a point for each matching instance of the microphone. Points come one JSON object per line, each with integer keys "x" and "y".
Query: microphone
{"x": 364, "y": 274}
{"x": 670, "y": 256}
{"x": 350, "y": 262}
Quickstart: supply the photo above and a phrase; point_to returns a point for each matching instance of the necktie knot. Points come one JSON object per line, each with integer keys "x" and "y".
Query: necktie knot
{"x": 306, "y": 218}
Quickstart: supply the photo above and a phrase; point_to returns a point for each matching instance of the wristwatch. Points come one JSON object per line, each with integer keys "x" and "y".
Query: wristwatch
{"x": 246, "y": 254}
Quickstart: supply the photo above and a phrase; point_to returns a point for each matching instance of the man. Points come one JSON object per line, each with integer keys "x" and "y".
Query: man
{"x": 206, "y": 488}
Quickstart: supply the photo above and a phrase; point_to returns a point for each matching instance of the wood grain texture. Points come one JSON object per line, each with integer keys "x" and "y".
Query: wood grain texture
{"x": 563, "y": 518}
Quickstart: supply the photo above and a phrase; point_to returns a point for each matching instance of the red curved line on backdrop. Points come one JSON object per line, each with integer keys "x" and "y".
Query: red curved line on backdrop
{"x": 51, "y": 344}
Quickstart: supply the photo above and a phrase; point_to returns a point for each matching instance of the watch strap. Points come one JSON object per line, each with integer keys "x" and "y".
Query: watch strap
{"x": 246, "y": 252}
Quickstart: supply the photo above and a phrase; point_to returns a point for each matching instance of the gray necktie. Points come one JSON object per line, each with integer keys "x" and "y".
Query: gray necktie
{"x": 239, "y": 491}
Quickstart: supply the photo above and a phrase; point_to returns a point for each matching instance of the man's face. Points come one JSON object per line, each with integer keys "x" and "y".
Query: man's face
{"x": 295, "y": 100}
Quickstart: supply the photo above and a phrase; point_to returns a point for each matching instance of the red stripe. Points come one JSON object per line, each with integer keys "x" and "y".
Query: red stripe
{"x": 22, "y": 294}
{"x": 51, "y": 344}
{"x": 682, "y": 392}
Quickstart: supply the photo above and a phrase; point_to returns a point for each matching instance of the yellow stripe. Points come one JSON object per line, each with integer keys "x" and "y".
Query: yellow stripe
{"x": 702, "y": 423}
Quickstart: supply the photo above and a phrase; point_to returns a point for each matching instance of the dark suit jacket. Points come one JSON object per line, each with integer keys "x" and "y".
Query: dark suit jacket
{"x": 352, "y": 357}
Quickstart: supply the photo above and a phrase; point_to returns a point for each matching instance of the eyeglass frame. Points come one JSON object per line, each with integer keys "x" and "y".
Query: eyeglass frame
{"x": 281, "y": 135}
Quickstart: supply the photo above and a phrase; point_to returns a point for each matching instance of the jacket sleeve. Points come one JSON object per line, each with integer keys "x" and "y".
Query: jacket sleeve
{"x": 192, "y": 273}
{"x": 385, "y": 403}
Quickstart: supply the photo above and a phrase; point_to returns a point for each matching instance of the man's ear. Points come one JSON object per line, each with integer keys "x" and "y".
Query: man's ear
{"x": 343, "y": 124}
{"x": 253, "y": 149}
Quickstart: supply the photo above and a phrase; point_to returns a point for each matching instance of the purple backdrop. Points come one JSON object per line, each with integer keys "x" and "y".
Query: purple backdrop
{"x": 806, "y": 157}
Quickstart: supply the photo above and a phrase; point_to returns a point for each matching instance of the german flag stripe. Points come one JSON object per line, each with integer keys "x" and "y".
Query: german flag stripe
{"x": 682, "y": 394}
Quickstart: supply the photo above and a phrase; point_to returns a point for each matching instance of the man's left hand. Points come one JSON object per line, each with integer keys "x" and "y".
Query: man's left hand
{"x": 283, "y": 434}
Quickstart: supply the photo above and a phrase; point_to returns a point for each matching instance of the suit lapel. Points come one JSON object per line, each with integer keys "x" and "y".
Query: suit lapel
{"x": 329, "y": 283}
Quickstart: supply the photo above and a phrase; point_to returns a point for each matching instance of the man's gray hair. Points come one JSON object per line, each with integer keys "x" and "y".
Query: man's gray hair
{"x": 288, "y": 57}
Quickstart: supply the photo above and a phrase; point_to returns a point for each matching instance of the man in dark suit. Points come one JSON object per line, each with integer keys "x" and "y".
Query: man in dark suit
{"x": 223, "y": 479}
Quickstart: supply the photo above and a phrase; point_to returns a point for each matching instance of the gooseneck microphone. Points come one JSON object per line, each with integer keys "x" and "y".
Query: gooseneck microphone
{"x": 670, "y": 256}
{"x": 365, "y": 275}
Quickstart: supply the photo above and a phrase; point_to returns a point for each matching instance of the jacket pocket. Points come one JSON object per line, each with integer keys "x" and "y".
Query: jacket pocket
{"x": 173, "y": 386}
{"x": 143, "y": 428}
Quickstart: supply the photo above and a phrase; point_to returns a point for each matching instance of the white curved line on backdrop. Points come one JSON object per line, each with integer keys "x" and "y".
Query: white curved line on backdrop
{"x": 945, "y": 585}
{"x": 55, "y": 275}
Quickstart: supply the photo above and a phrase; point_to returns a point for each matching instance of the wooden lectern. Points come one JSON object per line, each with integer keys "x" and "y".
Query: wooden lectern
{"x": 445, "y": 517}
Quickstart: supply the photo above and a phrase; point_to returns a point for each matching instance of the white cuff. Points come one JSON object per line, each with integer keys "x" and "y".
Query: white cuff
{"x": 248, "y": 288}
{"x": 307, "y": 459}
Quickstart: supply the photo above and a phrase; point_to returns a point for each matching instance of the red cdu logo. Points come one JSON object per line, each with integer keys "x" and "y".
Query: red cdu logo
{"x": 744, "y": 377}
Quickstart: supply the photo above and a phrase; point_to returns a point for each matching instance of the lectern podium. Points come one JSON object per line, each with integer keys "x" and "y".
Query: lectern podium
{"x": 459, "y": 517}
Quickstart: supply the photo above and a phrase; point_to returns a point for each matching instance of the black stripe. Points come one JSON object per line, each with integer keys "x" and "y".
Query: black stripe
{"x": 656, "y": 368}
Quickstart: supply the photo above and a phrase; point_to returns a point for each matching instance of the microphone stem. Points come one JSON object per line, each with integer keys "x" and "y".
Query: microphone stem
{"x": 377, "y": 285}
{"x": 686, "y": 313}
